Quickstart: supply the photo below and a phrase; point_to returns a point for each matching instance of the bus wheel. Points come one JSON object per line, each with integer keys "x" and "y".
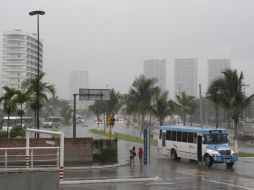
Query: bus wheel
{"x": 173, "y": 154}
{"x": 208, "y": 160}
{"x": 230, "y": 164}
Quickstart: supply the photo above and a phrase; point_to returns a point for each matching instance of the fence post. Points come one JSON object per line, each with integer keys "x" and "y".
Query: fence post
{"x": 27, "y": 148}
{"x": 61, "y": 172}
{"x": 5, "y": 158}
{"x": 57, "y": 158}
{"x": 32, "y": 158}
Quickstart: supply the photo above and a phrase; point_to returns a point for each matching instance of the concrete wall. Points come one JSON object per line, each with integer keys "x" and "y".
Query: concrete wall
{"x": 78, "y": 150}
{"x": 20, "y": 179}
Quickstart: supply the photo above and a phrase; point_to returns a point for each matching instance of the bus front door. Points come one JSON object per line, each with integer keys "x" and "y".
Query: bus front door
{"x": 163, "y": 139}
{"x": 199, "y": 148}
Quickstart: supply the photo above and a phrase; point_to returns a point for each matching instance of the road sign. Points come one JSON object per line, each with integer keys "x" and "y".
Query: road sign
{"x": 94, "y": 94}
{"x": 146, "y": 146}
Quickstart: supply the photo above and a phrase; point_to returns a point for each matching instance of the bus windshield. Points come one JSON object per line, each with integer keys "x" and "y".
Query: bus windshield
{"x": 216, "y": 139}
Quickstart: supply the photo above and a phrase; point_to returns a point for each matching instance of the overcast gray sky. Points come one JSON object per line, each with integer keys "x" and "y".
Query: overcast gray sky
{"x": 111, "y": 38}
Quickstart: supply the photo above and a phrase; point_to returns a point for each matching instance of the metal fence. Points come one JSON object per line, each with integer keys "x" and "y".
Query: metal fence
{"x": 15, "y": 157}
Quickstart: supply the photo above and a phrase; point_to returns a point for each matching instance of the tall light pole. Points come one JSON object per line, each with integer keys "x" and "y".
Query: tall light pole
{"x": 32, "y": 13}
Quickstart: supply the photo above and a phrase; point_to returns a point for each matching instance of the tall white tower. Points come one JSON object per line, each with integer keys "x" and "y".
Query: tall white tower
{"x": 78, "y": 79}
{"x": 216, "y": 67}
{"x": 20, "y": 57}
{"x": 156, "y": 68}
{"x": 186, "y": 71}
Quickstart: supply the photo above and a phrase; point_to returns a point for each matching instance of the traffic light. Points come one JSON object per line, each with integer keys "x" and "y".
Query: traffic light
{"x": 108, "y": 120}
{"x": 112, "y": 122}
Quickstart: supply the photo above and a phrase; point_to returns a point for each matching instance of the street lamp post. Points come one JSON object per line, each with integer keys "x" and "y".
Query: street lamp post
{"x": 32, "y": 13}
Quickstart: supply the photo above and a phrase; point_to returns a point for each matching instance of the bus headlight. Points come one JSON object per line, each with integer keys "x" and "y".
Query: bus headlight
{"x": 213, "y": 152}
{"x": 233, "y": 153}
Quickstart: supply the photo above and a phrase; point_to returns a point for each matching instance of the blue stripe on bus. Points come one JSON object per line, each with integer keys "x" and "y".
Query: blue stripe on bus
{"x": 192, "y": 129}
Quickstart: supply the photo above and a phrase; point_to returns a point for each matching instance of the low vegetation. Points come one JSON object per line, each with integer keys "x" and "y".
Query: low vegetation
{"x": 124, "y": 137}
{"x": 246, "y": 154}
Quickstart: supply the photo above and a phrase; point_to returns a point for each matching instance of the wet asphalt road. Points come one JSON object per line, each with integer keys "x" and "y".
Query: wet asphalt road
{"x": 168, "y": 174}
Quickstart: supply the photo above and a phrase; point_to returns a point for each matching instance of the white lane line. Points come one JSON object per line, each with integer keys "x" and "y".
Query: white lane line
{"x": 109, "y": 181}
{"x": 99, "y": 178}
{"x": 229, "y": 184}
{"x": 160, "y": 183}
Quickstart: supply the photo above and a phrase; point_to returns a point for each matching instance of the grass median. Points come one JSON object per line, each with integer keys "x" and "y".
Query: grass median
{"x": 123, "y": 137}
{"x": 246, "y": 154}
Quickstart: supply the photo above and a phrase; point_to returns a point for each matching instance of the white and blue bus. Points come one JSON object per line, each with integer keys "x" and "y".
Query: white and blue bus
{"x": 201, "y": 144}
{"x": 14, "y": 121}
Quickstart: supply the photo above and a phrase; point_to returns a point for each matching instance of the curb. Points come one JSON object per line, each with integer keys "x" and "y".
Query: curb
{"x": 123, "y": 180}
{"x": 96, "y": 167}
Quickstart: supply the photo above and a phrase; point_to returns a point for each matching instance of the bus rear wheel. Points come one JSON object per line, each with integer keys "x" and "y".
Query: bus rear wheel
{"x": 173, "y": 155}
{"x": 208, "y": 160}
{"x": 230, "y": 164}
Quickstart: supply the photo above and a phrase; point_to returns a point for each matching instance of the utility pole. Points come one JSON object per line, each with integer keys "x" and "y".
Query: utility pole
{"x": 244, "y": 113}
{"x": 200, "y": 107}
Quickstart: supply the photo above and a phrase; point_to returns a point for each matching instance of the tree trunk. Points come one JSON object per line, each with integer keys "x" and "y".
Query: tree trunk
{"x": 161, "y": 122}
{"x": 142, "y": 124}
{"x": 184, "y": 119}
{"x": 35, "y": 121}
{"x": 229, "y": 120}
{"x": 217, "y": 115}
{"x": 191, "y": 120}
{"x": 235, "y": 136}
{"x": 8, "y": 123}
{"x": 21, "y": 114}
{"x": 150, "y": 118}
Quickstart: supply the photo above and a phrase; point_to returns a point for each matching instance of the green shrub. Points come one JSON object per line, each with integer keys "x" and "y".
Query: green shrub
{"x": 17, "y": 132}
{"x": 105, "y": 150}
{"x": 3, "y": 134}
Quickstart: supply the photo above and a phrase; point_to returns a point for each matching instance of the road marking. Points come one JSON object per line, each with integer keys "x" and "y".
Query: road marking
{"x": 109, "y": 180}
{"x": 99, "y": 178}
{"x": 160, "y": 183}
{"x": 228, "y": 184}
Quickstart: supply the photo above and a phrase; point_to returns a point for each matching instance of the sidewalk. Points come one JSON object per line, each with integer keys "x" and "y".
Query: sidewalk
{"x": 120, "y": 163}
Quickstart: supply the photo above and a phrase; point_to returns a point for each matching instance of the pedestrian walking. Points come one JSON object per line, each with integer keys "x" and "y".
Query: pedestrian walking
{"x": 132, "y": 154}
{"x": 140, "y": 154}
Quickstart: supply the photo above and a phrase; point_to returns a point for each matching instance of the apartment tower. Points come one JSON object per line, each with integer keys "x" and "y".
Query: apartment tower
{"x": 20, "y": 57}
{"x": 216, "y": 67}
{"x": 186, "y": 71}
{"x": 156, "y": 68}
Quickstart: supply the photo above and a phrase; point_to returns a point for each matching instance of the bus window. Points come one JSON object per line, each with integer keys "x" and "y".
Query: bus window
{"x": 179, "y": 136}
{"x": 168, "y": 135}
{"x": 215, "y": 139}
{"x": 160, "y": 135}
{"x": 173, "y": 135}
{"x": 195, "y": 138}
{"x": 184, "y": 138}
{"x": 190, "y": 137}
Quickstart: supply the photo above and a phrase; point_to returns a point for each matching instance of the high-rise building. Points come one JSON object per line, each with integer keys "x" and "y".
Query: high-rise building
{"x": 78, "y": 79}
{"x": 20, "y": 57}
{"x": 186, "y": 71}
{"x": 216, "y": 67}
{"x": 156, "y": 68}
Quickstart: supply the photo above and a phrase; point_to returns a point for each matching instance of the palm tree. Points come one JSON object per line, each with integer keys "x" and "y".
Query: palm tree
{"x": 44, "y": 89}
{"x": 161, "y": 106}
{"x": 9, "y": 105}
{"x": 213, "y": 96}
{"x": 21, "y": 97}
{"x": 97, "y": 108}
{"x": 230, "y": 89}
{"x": 113, "y": 105}
{"x": 141, "y": 93}
{"x": 186, "y": 105}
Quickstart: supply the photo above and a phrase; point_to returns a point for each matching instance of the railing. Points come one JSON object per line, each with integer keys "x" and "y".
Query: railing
{"x": 31, "y": 160}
